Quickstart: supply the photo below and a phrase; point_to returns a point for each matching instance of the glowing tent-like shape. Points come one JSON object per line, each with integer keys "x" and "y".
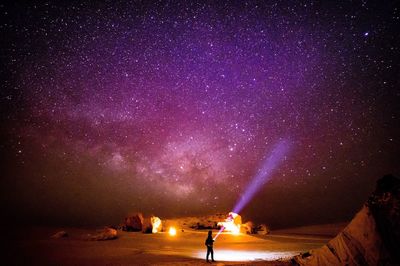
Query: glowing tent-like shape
{"x": 232, "y": 223}
{"x": 156, "y": 224}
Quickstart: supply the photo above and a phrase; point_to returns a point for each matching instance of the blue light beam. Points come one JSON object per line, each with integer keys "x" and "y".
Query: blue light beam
{"x": 264, "y": 174}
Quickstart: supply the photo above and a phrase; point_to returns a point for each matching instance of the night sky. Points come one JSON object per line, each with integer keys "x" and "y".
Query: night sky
{"x": 170, "y": 108}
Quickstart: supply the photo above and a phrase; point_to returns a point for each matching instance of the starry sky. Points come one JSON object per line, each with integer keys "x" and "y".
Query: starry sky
{"x": 170, "y": 107}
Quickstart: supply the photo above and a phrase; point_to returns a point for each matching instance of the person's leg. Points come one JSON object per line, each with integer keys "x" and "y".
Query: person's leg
{"x": 212, "y": 254}
{"x": 208, "y": 253}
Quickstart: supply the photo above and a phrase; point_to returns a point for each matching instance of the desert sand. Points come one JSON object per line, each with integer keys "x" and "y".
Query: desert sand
{"x": 34, "y": 246}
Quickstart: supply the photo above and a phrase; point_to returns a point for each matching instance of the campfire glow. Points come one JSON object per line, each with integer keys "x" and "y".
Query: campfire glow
{"x": 232, "y": 223}
{"x": 172, "y": 231}
{"x": 156, "y": 224}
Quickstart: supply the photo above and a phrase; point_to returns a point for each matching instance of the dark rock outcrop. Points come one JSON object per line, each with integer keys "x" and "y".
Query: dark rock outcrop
{"x": 147, "y": 227}
{"x": 133, "y": 223}
{"x": 262, "y": 229}
{"x": 371, "y": 238}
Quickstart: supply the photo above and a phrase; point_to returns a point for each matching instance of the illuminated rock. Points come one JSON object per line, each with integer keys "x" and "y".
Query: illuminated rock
{"x": 232, "y": 223}
{"x": 133, "y": 222}
{"x": 207, "y": 222}
{"x": 107, "y": 233}
{"x": 371, "y": 238}
{"x": 262, "y": 229}
{"x": 156, "y": 224}
{"x": 248, "y": 228}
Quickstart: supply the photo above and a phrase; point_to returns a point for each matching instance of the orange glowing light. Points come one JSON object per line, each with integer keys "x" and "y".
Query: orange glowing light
{"x": 172, "y": 231}
{"x": 156, "y": 224}
{"x": 232, "y": 224}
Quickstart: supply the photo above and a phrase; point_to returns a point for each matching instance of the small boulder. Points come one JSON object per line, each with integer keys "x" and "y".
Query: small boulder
{"x": 106, "y": 234}
{"x": 262, "y": 229}
{"x": 133, "y": 223}
{"x": 248, "y": 228}
{"x": 60, "y": 234}
{"x": 147, "y": 227}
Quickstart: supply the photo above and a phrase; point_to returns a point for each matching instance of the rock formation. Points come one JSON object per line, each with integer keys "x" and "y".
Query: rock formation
{"x": 371, "y": 238}
{"x": 147, "y": 227}
{"x": 262, "y": 229}
{"x": 133, "y": 222}
{"x": 107, "y": 233}
{"x": 247, "y": 228}
{"x": 60, "y": 234}
{"x": 156, "y": 224}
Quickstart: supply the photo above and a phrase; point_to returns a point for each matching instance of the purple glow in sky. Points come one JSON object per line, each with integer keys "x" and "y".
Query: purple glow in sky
{"x": 168, "y": 107}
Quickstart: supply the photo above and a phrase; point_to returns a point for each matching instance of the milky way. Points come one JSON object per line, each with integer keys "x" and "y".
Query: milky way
{"x": 170, "y": 107}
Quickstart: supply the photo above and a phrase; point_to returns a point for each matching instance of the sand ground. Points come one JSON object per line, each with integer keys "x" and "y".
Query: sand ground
{"x": 34, "y": 246}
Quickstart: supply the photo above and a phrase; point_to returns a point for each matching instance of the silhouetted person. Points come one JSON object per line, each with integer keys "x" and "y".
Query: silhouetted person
{"x": 209, "y": 244}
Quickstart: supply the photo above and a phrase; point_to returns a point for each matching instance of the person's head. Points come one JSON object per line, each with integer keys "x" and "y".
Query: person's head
{"x": 210, "y": 233}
